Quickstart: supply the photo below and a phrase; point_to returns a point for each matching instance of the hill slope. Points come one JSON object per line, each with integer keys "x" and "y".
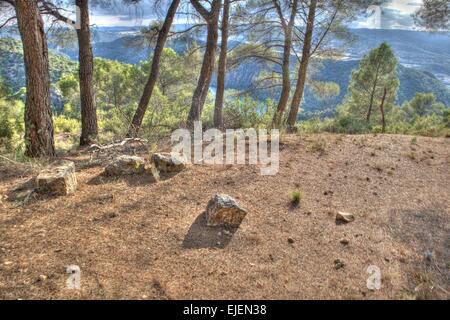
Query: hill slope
{"x": 12, "y": 67}
{"x": 135, "y": 239}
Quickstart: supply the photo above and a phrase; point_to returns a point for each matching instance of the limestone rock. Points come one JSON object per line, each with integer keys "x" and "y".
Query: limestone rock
{"x": 345, "y": 217}
{"x": 223, "y": 210}
{"x": 125, "y": 165}
{"x": 58, "y": 179}
{"x": 168, "y": 163}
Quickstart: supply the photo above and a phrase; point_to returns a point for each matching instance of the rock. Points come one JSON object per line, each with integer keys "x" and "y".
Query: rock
{"x": 345, "y": 217}
{"x": 291, "y": 241}
{"x": 338, "y": 264}
{"x": 42, "y": 277}
{"x": 58, "y": 179}
{"x": 125, "y": 165}
{"x": 223, "y": 210}
{"x": 168, "y": 163}
{"x": 345, "y": 242}
{"x": 428, "y": 256}
{"x": 154, "y": 172}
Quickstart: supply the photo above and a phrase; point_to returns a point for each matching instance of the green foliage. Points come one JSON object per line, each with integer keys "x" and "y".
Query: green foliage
{"x": 423, "y": 104}
{"x": 325, "y": 90}
{"x": 62, "y": 124}
{"x": 119, "y": 87}
{"x": 421, "y": 116}
{"x": 12, "y": 66}
{"x": 296, "y": 197}
{"x": 246, "y": 112}
{"x": 4, "y": 89}
{"x": 12, "y": 127}
{"x": 377, "y": 71}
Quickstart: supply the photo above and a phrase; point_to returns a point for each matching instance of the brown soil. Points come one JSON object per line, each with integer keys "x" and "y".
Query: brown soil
{"x": 134, "y": 239}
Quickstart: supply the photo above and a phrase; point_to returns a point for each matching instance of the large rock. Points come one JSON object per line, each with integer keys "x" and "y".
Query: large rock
{"x": 168, "y": 163}
{"x": 125, "y": 165}
{"x": 59, "y": 179}
{"x": 223, "y": 210}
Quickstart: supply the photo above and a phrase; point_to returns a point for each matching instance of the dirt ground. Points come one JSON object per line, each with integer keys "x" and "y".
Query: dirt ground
{"x": 135, "y": 239}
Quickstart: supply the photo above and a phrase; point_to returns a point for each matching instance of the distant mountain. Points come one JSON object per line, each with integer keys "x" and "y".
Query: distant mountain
{"x": 411, "y": 82}
{"x": 420, "y": 50}
{"x": 12, "y": 67}
{"x": 424, "y": 61}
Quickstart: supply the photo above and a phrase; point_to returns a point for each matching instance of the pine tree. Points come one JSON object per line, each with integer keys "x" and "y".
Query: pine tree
{"x": 374, "y": 84}
{"x": 38, "y": 114}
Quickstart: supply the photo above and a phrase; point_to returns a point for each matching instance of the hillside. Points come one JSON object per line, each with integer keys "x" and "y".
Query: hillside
{"x": 412, "y": 80}
{"x": 12, "y": 66}
{"x": 136, "y": 239}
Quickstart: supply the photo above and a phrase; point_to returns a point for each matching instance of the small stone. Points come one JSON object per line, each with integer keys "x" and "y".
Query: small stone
{"x": 291, "y": 241}
{"x": 345, "y": 242}
{"x": 125, "y": 165}
{"x": 42, "y": 277}
{"x": 428, "y": 256}
{"x": 59, "y": 179}
{"x": 222, "y": 210}
{"x": 8, "y": 263}
{"x": 345, "y": 217}
{"x": 338, "y": 264}
{"x": 168, "y": 162}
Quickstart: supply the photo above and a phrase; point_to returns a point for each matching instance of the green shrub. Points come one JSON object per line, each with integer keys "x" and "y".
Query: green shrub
{"x": 12, "y": 126}
{"x": 65, "y": 125}
{"x": 296, "y": 197}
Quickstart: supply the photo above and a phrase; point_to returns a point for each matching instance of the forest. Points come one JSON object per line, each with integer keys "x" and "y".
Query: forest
{"x": 104, "y": 99}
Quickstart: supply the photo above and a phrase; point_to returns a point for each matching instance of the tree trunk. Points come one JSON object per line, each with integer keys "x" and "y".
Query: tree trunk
{"x": 89, "y": 126}
{"x": 383, "y": 118}
{"x": 221, "y": 73}
{"x": 154, "y": 73}
{"x": 286, "y": 86}
{"x": 38, "y": 114}
{"x": 201, "y": 92}
{"x": 372, "y": 94}
{"x": 303, "y": 68}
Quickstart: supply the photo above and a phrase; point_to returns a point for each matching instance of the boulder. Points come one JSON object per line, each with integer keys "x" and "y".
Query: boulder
{"x": 223, "y": 210}
{"x": 168, "y": 163}
{"x": 125, "y": 165}
{"x": 59, "y": 179}
{"x": 345, "y": 217}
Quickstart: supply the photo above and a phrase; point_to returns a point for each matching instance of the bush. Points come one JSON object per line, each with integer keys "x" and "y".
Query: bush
{"x": 317, "y": 126}
{"x": 247, "y": 113}
{"x": 65, "y": 125}
{"x": 12, "y": 127}
{"x": 296, "y": 197}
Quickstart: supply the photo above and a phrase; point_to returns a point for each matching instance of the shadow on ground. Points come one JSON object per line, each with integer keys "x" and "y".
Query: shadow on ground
{"x": 132, "y": 180}
{"x": 201, "y": 236}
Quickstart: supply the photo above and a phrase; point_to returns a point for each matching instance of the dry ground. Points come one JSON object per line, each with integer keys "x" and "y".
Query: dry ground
{"x": 134, "y": 239}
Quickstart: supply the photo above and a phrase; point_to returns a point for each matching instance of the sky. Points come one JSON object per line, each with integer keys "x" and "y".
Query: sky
{"x": 395, "y": 14}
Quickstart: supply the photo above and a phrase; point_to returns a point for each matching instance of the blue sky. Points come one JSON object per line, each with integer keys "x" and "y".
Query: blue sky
{"x": 395, "y": 14}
